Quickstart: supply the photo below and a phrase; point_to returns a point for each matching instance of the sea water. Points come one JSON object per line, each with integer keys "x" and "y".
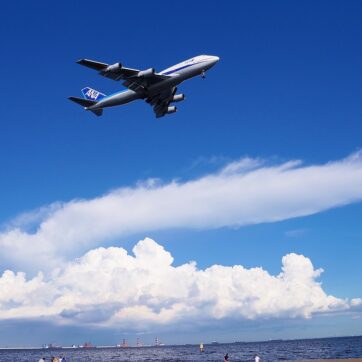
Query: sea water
{"x": 346, "y": 347}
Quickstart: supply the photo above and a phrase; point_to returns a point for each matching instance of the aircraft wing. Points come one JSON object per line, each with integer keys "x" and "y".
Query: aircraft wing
{"x": 134, "y": 79}
{"x": 161, "y": 101}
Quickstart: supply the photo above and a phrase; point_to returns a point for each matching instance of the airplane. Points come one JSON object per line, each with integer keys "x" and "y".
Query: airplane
{"x": 157, "y": 89}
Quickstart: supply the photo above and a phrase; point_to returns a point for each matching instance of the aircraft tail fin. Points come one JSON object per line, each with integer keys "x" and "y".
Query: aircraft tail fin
{"x": 87, "y": 103}
{"x": 92, "y": 94}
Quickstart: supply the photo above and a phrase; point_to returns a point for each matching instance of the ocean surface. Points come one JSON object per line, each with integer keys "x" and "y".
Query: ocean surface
{"x": 346, "y": 347}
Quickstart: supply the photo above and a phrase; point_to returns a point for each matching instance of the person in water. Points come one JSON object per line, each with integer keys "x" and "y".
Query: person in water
{"x": 226, "y": 357}
{"x": 257, "y": 358}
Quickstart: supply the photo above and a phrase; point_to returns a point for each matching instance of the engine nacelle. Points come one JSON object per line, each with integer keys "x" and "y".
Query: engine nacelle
{"x": 171, "y": 109}
{"x": 146, "y": 73}
{"x": 114, "y": 67}
{"x": 178, "y": 97}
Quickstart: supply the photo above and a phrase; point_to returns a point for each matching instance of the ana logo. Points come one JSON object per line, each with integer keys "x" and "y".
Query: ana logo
{"x": 93, "y": 94}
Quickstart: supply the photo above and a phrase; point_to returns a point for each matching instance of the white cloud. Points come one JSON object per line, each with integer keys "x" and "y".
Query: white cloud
{"x": 244, "y": 192}
{"x": 109, "y": 287}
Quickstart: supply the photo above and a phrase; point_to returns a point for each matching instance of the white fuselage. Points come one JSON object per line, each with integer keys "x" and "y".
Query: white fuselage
{"x": 177, "y": 74}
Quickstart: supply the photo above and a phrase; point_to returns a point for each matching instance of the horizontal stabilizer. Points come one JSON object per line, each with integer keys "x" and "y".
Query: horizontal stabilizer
{"x": 83, "y": 102}
{"x": 87, "y": 103}
{"x": 97, "y": 112}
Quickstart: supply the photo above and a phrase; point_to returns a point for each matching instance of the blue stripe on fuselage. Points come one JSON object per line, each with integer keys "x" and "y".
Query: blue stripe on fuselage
{"x": 113, "y": 94}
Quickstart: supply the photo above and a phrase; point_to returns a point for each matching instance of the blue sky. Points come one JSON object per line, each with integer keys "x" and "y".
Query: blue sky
{"x": 287, "y": 87}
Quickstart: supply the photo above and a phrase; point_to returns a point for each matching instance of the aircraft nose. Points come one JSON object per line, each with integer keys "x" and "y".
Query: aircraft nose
{"x": 214, "y": 60}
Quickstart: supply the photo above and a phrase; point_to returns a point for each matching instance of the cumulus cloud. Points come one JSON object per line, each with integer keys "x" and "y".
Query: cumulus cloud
{"x": 109, "y": 287}
{"x": 245, "y": 192}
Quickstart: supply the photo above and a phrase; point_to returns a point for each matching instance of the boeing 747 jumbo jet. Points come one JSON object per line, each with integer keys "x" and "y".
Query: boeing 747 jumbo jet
{"x": 157, "y": 89}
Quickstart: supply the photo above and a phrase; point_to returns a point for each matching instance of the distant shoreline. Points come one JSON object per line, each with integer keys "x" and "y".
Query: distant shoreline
{"x": 189, "y": 344}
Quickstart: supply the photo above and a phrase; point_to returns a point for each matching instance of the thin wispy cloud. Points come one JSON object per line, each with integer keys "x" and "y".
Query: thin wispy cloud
{"x": 244, "y": 192}
{"x": 296, "y": 233}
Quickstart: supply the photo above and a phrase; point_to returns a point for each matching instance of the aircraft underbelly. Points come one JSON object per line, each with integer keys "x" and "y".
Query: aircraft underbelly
{"x": 164, "y": 85}
{"x": 130, "y": 95}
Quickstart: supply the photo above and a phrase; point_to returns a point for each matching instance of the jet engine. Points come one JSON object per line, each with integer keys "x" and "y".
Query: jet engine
{"x": 178, "y": 97}
{"x": 146, "y": 73}
{"x": 114, "y": 67}
{"x": 171, "y": 109}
